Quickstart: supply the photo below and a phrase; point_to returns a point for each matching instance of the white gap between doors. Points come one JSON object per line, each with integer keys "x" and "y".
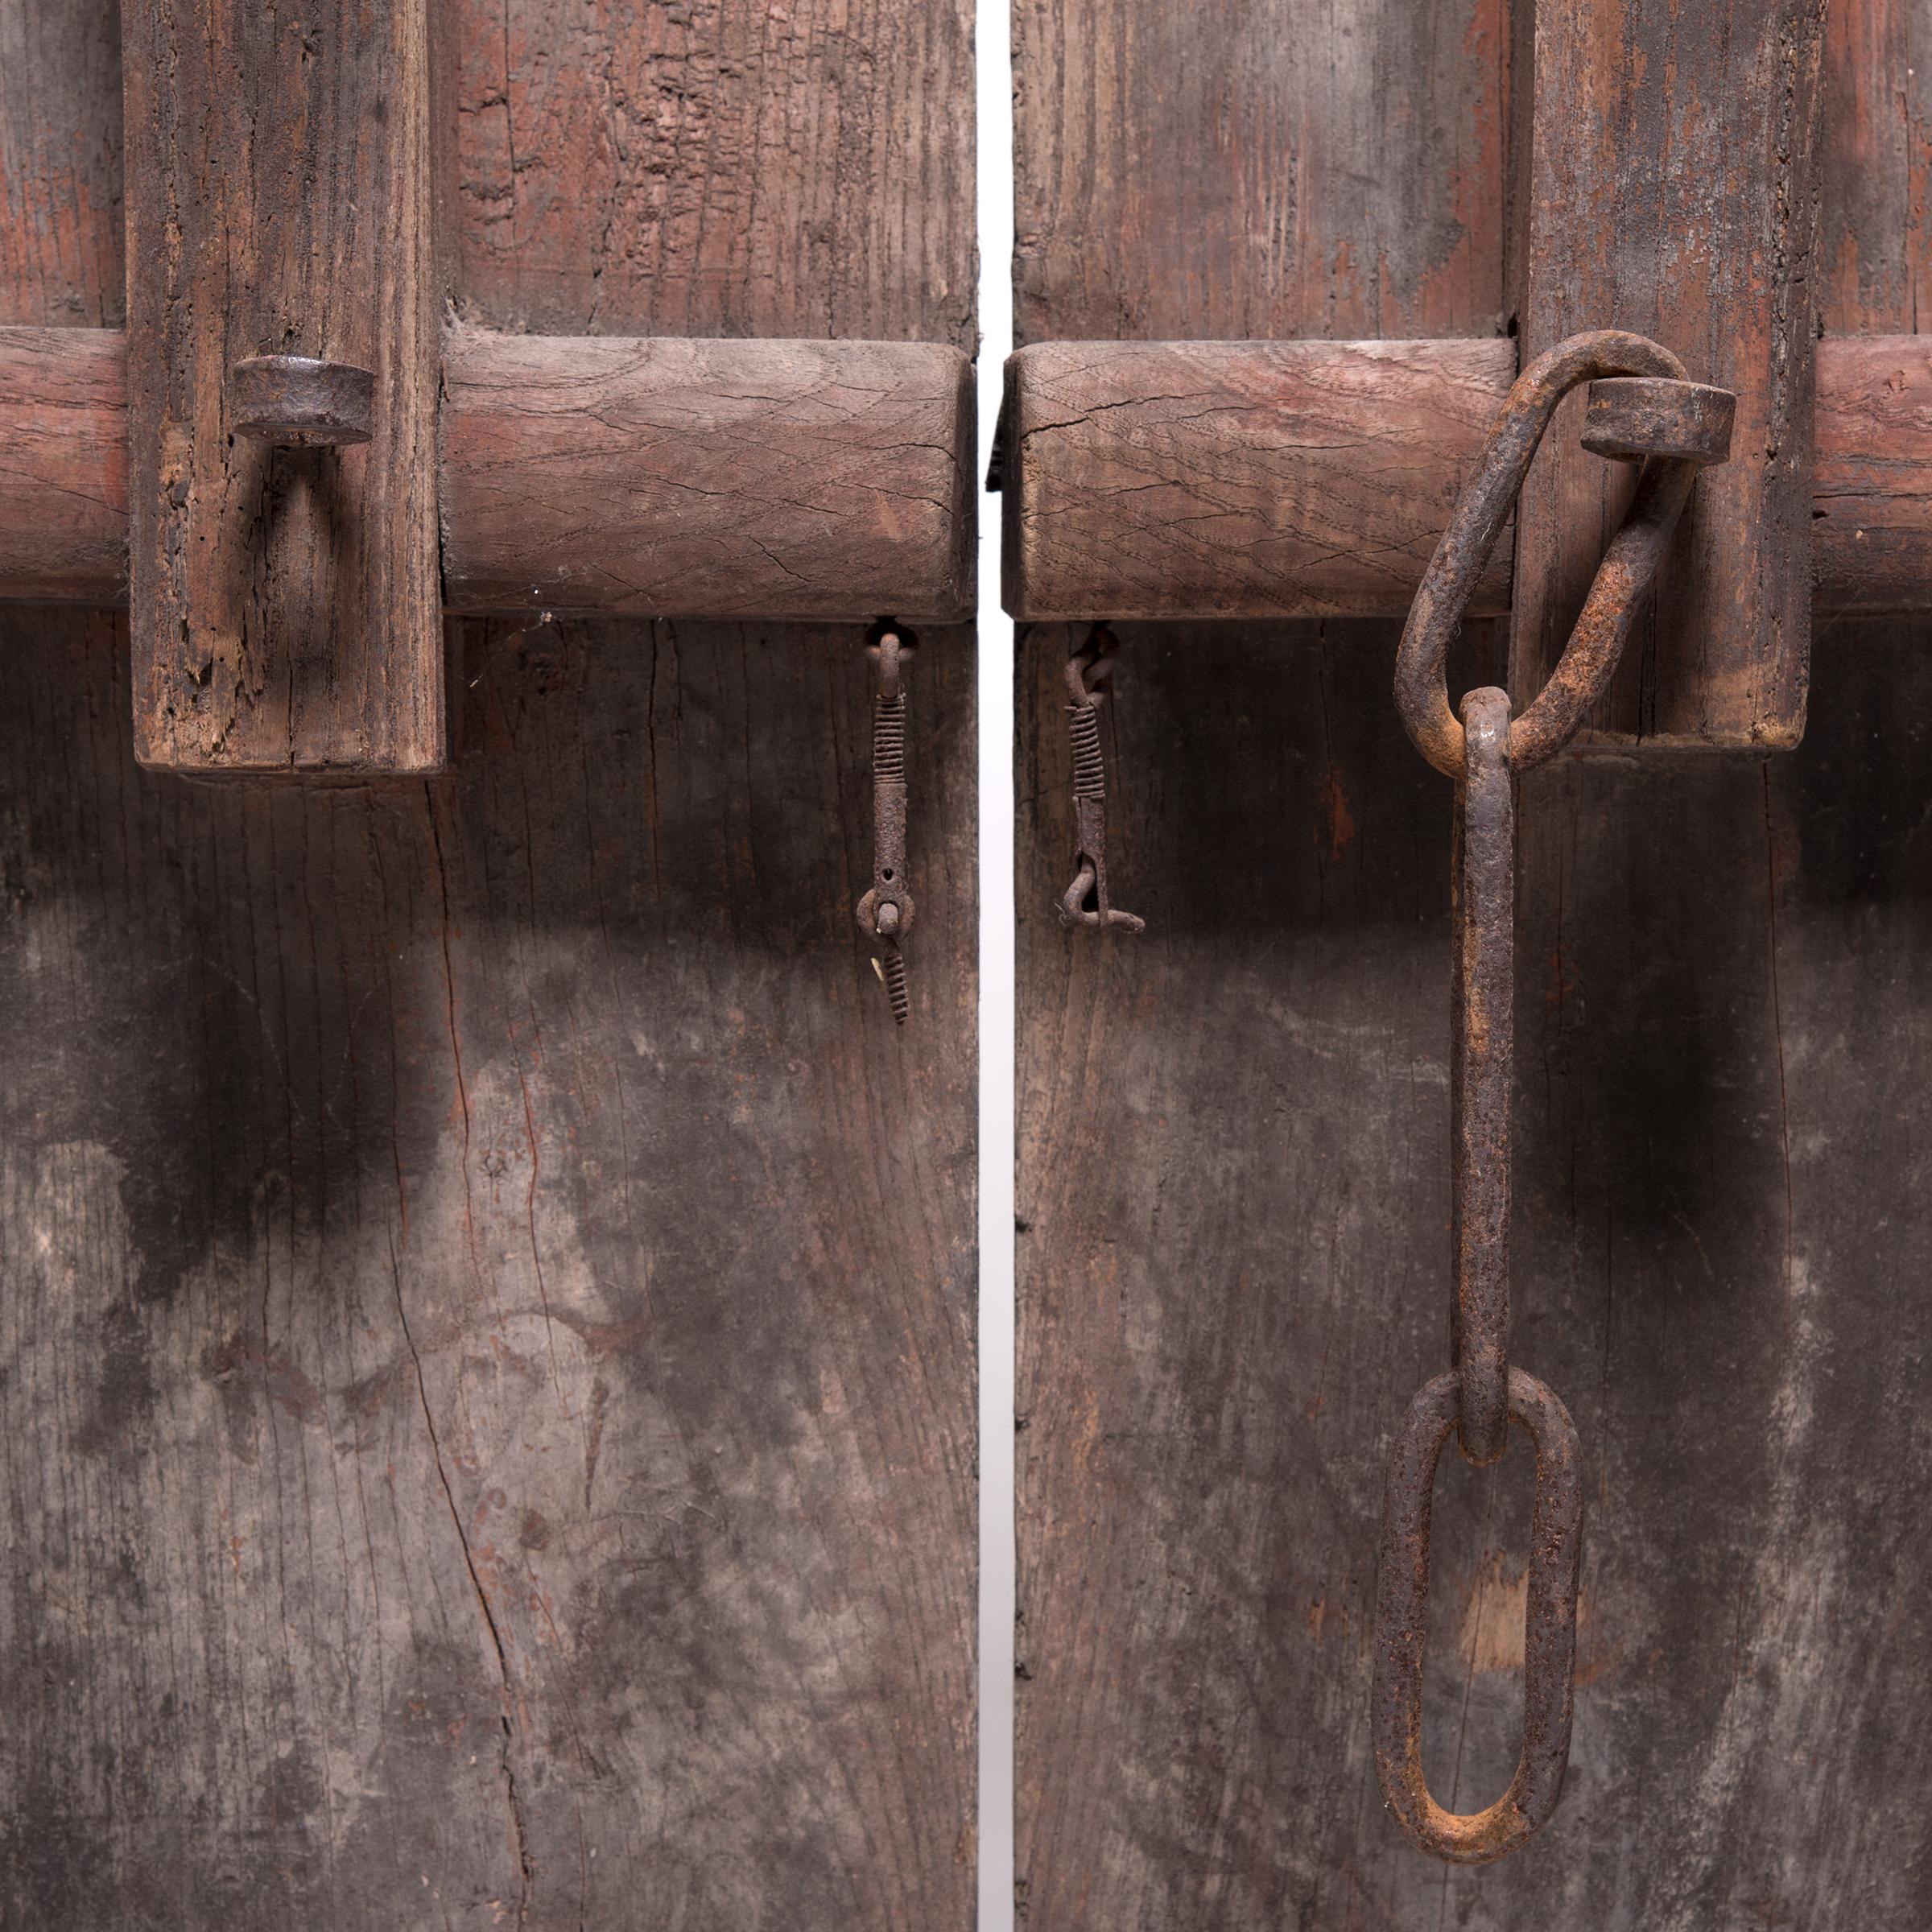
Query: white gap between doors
{"x": 998, "y": 1598}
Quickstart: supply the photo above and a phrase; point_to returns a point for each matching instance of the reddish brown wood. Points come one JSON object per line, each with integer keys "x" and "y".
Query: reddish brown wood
{"x": 1230, "y": 479}
{"x": 1871, "y": 474}
{"x": 1667, "y": 183}
{"x": 641, "y": 477}
{"x": 1234, "y": 1136}
{"x": 64, "y": 465}
{"x": 1312, "y": 479}
{"x": 618, "y": 476}
{"x": 1148, "y": 480}
{"x": 286, "y": 608}
{"x": 486, "y": 1357}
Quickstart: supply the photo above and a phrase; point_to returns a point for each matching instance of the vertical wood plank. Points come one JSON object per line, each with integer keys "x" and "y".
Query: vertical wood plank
{"x": 287, "y": 614}
{"x": 1671, "y": 187}
{"x": 773, "y": 1272}
{"x": 488, "y": 1366}
{"x": 1233, "y": 1132}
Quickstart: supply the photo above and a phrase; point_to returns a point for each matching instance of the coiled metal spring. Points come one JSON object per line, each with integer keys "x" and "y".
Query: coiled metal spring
{"x": 889, "y": 740}
{"x": 1089, "y": 769}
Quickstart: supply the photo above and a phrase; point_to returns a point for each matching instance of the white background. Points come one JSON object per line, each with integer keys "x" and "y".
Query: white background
{"x": 998, "y": 1599}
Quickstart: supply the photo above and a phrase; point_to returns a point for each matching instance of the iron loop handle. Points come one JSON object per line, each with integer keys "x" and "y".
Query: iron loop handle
{"x": 1674, "y": 426}
{"x": 1549, "y": 1624}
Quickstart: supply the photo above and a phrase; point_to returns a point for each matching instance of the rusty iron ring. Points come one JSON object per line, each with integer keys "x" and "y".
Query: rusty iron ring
{"x": 1549, "y": 1623}
{"x": 1678, "y": 425}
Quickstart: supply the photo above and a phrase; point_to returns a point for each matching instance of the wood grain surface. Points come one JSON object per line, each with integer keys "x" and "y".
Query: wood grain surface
{"x": 1234, "y": 1135}
{"x": 286, "y": 602}
{"x": 1668, "y": 182}
{"x": 488, "y": 1374}
{"x": 628, "y": 474}
{"x": 586, "y": 475}
{"x": 1312, "y": 479}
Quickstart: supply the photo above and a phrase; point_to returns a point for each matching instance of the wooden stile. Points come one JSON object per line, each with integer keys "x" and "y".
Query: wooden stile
{"x": 1666, "y": 182}
{"x": 286, "y": 601}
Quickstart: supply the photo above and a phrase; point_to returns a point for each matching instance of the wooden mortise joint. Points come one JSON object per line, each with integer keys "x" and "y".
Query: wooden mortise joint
{"x": 260, "y": 458}
{"x": 586, "y": 477}
{"x": 281, "y": 388}
{"x": 1292, "y": 479}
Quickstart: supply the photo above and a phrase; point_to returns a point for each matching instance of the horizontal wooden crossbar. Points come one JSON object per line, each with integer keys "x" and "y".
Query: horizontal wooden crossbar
{"x": 1312, "y": 479}
{"x": 583, "y": 475}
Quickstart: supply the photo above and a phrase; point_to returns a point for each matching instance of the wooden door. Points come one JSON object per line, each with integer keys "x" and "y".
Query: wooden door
{"x": 1233, "y": 1187}
{"x": 489, "y": 1293}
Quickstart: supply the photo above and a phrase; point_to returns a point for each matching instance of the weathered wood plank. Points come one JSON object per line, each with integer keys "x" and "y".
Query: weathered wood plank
{"x": 488, "y": 1375}
{"x": 835, "y": 197}
{"x": 1234, "y": 1155}
{"x": 1669, "y": 185}
{"x": 1312, "y": 479}
{"x": 287, "y": 615}
{"x": 1147, "y": 480}
{"x": 61, "y": 225}
{"x": 587, "y": 477}
{"x": 796, "y": 1209}
{"x": 636, "y": 477}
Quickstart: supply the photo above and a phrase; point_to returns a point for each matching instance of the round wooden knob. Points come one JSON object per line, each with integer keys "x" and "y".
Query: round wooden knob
{"x": 296, "y": 401}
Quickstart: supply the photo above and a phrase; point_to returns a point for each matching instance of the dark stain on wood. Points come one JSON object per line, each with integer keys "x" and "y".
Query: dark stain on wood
{"x": 489, "y": 1294}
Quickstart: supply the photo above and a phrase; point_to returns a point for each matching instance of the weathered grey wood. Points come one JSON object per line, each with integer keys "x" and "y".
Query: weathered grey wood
{"x": 1667, "y": 178}
{"x": 487, "y": 1375}
{"x": 286, "y": 610}
{"x": 1234, "y": 1145}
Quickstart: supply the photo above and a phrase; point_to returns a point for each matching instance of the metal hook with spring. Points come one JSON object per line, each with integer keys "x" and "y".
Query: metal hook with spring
{"x": 886, "y": 912}
{"x": 1086, "y": 902}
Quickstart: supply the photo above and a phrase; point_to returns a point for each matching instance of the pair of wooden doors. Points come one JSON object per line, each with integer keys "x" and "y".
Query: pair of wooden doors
{"x": 489, "y": 1314}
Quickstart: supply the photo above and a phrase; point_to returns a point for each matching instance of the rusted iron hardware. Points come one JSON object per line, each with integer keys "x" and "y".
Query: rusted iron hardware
{"x": 1085, "y": 901}
{"x": 1640, "y": 409}
{"x": 301, "y": 404}
{"x": 1678, "y": 425}
{"x": 886, "y": 912}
